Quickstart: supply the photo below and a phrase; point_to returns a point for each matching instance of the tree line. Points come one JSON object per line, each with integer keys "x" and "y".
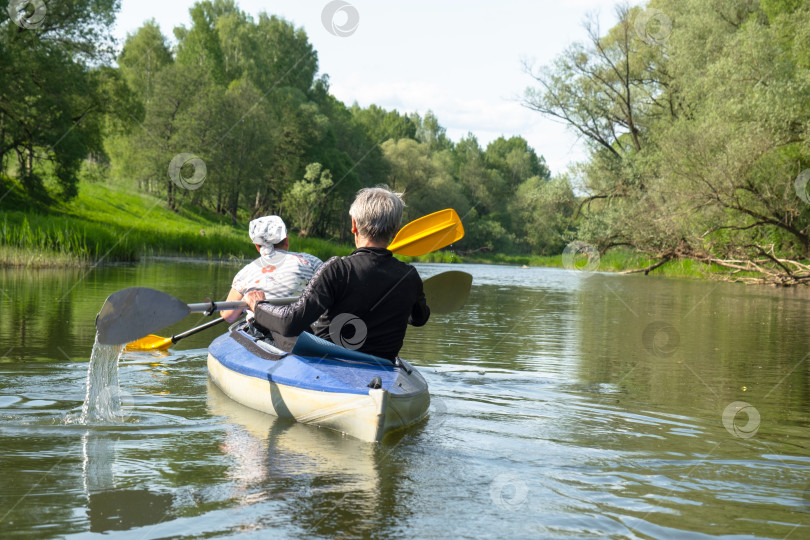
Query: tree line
{"x": 696, "y": 116}
{"x": 235, "y": 118}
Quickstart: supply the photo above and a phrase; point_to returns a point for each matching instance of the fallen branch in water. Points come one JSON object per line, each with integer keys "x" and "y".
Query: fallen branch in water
{"x": 648, "y": 269}
{"x": 770, "y": 269}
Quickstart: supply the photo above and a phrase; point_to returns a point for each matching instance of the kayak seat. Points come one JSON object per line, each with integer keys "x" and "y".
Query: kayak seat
{"x": 311, "y": 345}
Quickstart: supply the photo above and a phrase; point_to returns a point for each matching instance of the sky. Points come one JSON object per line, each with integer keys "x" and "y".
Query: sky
{"x": 461, "y": 59}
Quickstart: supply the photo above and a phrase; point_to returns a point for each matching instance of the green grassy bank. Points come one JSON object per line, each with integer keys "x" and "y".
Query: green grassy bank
{"x": 111, "y": 224}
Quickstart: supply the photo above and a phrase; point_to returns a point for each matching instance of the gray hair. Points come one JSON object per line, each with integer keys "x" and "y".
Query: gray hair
{"x": 377, "y": 212}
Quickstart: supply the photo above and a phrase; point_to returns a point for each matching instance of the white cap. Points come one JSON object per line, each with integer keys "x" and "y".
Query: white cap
{"x": 267, "y": 231}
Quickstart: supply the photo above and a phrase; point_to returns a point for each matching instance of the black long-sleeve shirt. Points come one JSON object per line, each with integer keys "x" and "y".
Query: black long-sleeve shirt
{"x": 364, "y": 301}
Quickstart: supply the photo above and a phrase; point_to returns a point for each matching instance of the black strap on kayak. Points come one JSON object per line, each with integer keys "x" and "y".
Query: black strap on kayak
{"x": 402, "y": 365}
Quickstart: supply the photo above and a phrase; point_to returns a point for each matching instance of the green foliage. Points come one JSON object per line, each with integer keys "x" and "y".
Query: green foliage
{"x": 774, "y": 8}
{"x": 430, "y": 132}
{"x": 301, "y": 200}
{"x": 200, "y": 45}
{"x": 382, "y": 125}
{"x": 410, "y": 163}
{"x": 545, "y": 210}
{"x": 50, "y": 105}
{"x": 144, "y": 55}
{"x": 697, "y": 136}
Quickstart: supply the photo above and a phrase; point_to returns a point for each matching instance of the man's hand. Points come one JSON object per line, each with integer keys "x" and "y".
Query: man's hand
{"x": 251, "y": 297}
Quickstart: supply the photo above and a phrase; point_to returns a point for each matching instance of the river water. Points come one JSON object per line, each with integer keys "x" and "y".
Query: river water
{"x": 564, "y": 404}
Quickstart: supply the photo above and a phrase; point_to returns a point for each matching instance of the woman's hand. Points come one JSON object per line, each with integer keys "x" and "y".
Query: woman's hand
{"x": 251, "y": 297}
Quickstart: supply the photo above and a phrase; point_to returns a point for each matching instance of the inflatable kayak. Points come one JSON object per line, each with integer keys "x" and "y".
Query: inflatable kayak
{"x": 319, "y": 383}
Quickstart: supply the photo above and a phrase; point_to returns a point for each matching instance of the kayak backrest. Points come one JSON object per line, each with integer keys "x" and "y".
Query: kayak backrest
{"x": 310, "y": 345}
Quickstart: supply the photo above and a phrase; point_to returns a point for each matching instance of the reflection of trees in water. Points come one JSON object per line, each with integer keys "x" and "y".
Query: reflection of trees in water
{"x": 327, "y": 481}
{"x": 50, "y": 313}
{"x": 694, "y": 345}
{"x": 37, "y": 310}
{"x": 499, "y": 327}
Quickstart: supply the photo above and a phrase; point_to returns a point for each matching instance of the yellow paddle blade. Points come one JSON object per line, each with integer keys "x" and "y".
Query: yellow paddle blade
{"x": 149, "y": 343}
{"x": 428, "y": 233}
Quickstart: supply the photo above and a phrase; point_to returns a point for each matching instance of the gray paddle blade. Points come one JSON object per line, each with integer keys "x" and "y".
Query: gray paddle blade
{"x": 130, "y": 314}
{"x": 447, "y": 292}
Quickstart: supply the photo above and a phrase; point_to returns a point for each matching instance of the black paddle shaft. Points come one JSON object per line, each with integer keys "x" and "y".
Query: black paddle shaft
{"x": 200, "y": 328}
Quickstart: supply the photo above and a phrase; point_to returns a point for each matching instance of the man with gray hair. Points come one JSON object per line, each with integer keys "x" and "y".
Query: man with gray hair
{"x": 364, "y": 301}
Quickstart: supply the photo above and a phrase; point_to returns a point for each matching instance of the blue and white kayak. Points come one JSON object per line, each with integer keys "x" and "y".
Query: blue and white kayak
{"x": 319, "y": 383}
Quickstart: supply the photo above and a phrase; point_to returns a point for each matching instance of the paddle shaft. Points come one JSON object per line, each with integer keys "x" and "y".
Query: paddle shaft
{"x": 210, "y": 307}
{"x": 200, "y": 328}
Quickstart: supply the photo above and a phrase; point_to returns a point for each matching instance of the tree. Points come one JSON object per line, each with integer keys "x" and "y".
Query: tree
{"x": 382, "y": 125}
{"x": 484, "y": 184}
{"x": 430, "y": 132}
{"x": 696, "y": 139}
{"x": 544, "y": 210}
{"x": 282, "y": 56}
{"x": 737, "y": 156}
{"x": 50, "y": 106}
{"x": 144, "y": 55}
{"x": 410, "y": 164}
{"x": 237, "y": 135}
{"x": 515, "y": 160}
{"x": 302, "y": 198}
{"x": 200, "y": 45}
{"x": 179, "y": 93}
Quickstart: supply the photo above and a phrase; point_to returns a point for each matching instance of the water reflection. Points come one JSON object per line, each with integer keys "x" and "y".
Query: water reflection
{"x": 49, "y": 315}
{"x": 322, "y": 476}
{"x": 693, "y": 348}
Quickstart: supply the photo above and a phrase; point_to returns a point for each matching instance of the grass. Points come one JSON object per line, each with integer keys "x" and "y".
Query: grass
{"x": 28, "y": 258}
{"x": 111, "y": 223}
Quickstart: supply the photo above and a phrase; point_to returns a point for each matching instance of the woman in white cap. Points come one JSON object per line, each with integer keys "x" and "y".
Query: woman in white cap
{"x": 278, "y": 272}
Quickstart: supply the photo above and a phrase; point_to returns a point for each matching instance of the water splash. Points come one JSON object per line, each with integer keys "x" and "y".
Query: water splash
{"x": 103, "y": 400}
